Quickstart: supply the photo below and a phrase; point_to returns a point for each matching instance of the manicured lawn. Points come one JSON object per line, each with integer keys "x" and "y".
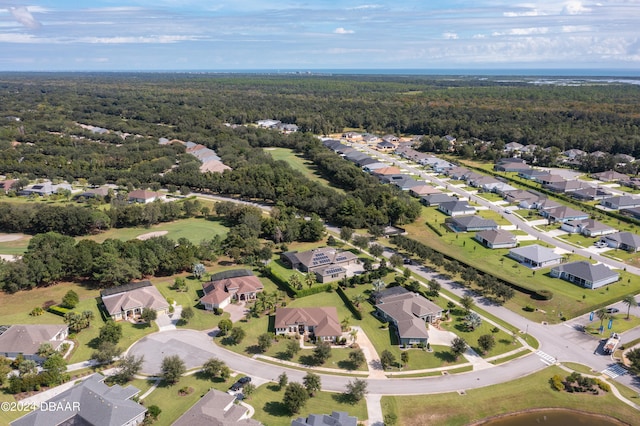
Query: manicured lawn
{"x": 267, "y": 400}
{"x": 620, "y": 324}
{"x": 299, "y": 163}
{"x": 18, "y": 246}
{"x": 533, "y": 391}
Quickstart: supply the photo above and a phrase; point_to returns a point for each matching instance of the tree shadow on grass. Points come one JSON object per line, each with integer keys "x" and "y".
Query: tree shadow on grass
{"x": 284, "y": 356}
{"x": 343, "y": 398}
{"x": 347, "y": 365}
{"x": 309, "y": 360}
{"x": 445, "y": 356}
{"x": 505, "y": 341}
{"x": 276, "y": 409}
{"x": 253, "y": 349}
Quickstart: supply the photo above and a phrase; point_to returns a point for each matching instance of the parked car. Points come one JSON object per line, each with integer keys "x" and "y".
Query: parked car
{"x": 613, "y": 310}
{"x": 244, "y": 380}
{"x": 236, "y": 387}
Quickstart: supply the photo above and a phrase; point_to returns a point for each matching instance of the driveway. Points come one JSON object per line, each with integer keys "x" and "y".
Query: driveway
{"x": 193, "y": 347}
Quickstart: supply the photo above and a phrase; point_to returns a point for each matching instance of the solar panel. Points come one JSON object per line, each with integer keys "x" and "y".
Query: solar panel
{"x": 3, "y": 328}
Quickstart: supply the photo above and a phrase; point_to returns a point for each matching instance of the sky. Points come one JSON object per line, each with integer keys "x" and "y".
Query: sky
{"x": 156, "y": 35}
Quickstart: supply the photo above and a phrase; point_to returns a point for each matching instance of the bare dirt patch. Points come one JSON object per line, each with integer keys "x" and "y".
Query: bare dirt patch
{"x": 152, "y": 235}
{"x": 5, "y": 238}
{"x": 9, "y": 257}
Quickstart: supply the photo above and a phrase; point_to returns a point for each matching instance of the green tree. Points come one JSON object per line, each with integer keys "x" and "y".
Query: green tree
{"x": 198, "y": 270}
{"x": 283, "y": 380}
{"x": 458, "y": 346}
{"x": 630, "y": 301}
{"x": 467, "y": 303}
{"x": 224, "y": 325}
{"x": 237, "y": 335}
{"x": 312, "y": 383}
{"x": 404, "y": 357}
{"x": 212, "y": 367}
{"x": 186, "y": 314}
{"x": 634, "y": 357}
{"x": 292, "y": 348}
{"x": 387, "y": 359}
{"x": 357, "y": 358}
{"x": 153, "y": 411}
{"x": 472, "y": 321}
{"x": 356, "y": 390}
{"x": 70, "y": 299}
{"x": 45, "y": 350}
{"x": 128, "y": 367}
{"x": 434, "y": 288}
{"x": 248, "y": 389}
{"x": 148, "y": 315}
{"x": 172, "y": 368}
{"x": 106, "y": 352}
{"x": 376, "y": 250}
{"x": 346, "y": 233}
{"x": 322, "y": 352}
{"x": 55, "y": 365}
{"x": 361, "y": 241}
{"x": 486, "y": 342}
{"x": 602, "y": 315}
{"x": 5, "y": 369}
{"x": 295, "y": 282}
{"x": 27, "y": 367}
{"x": 264, "y": 341}
{"x": 295, "y": 397}
{"x": 396, "y": 260}
{"x": 110, "y": 332}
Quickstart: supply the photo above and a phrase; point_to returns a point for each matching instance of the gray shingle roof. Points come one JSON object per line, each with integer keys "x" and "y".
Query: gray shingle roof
{"x": 586, "y": 271}
{"x": 536, "y": 253}
{"x": 26, "y": 339}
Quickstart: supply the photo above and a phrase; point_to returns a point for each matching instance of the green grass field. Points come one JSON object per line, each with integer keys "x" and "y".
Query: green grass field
{"x": 534, "y": 391}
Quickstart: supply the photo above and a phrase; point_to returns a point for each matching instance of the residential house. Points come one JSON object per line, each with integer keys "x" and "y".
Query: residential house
{"x": 352, "y": 136}
{"x": 389, "y": 170}
{"x": 623, "y": 241}
{"x": 481, "y": 180}
{"x": 585, "y": 274}
{"x": 366, "y": 161}
{"x": 423, "y": 190}
{"x": 511, "y": 164}
{"x": 25, "y": 340}
{"x": 7, "y": 185}
{"x": 337, "y": 418}
{"x": 145, "y": 196}
{"x": 327, "y": 263}
{"x": 496, "y": 239}
{"x": 609, "y": 176}
{"x": 590, "y": 193}
{"x": 126, "y": 302}
{"x": 513, "y": 148}
{"x": 549, "y": 179}
{"x": 45, "y": 188}
{"x": 620, "y": 202}
{"x": 566, "y": 186}
{"x": 385, "y": 146}
{"x": 573, "y": 154}
{"x": 470, "y": 224}
{"x": 563, "y": 214}
{"x": 524, "y": 199}
{"x": 370, "y": 139}
{"x": 404, "y": 182}
{"x": 632, "y": 212}
{"x": 90, "y": 402}
{"x": 101, "y": 192}
{"x": 456, "y": 208}
{"x": 533, "y": 174}
{"x": 458, "y": 173}
{"x": 268, "y": 123}
{"x": 587, "y": 227}
{"x": 287, "y": 127}
{"x": 223, "y": 287}
{"x": 356, "y": 156}
{"x": 319, "y": 322}
{"x": 535, "y": 256}
{"x": 216, "y": 408}
{"x": 435, "y": 199}
{"x": 408, "y": 312}
{"x": 372, "y": 167}
{"x": 498, "y": 187}
{"x": 547, "y": 204}
{"x": 623, "y": 159}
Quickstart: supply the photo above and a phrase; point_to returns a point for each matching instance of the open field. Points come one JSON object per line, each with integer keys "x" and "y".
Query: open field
{"x": 453, "y": 409}
{"x": 297, "y": 162}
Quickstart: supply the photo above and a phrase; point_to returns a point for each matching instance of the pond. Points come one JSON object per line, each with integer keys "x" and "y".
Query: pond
{"x": 553, "y": 418}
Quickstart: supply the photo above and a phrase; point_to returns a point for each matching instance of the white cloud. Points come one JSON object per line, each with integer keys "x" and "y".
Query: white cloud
{"x": 366, "y": 6}
{"x": 521, "y": 31}
{"x": 161, "y": 39}
{"x": 533, "y": 12}
{"x": 342, "y": 31}
{"x": 450, "y": 36}
{"x": 575, "y": 28}
{"x": 22, "y": 15}
{"x": 574, "y": 8}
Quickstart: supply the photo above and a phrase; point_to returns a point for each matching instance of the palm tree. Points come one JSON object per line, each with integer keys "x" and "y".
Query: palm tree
{"x": 353, "y": 334}
{"x": 310, "y": 279}
{"x": 602, "y": 315}
{"x": 358, "y": 299}
{"x": 630, "y": 301}
{"x": 295, "y": 282}
{"x": 378, "y": 285}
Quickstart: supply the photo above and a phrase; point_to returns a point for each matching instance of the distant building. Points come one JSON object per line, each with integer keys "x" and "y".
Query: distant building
{"x": 25, "y": 340}
{"x": 216, "y": 408}
{"x": 127, "y": 302}
{"x": 337, "y": 418}
{"x": 321, "y": 323}
{"x": 225, "y": 286}
{"x": 145, "y": 196}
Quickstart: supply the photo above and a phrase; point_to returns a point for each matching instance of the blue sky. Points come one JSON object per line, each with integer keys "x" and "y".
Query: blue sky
{"x": 113, "y": 35}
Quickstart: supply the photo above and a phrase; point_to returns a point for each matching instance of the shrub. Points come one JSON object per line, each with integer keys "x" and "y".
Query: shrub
{"x": 36, "y": 312}
{"x": 59, "y": 310}
{"x": 603, "y": 385}
{"x": 529, "y": 308}
{"x": 544, "y": 294}
{"x": 556, "y": 383}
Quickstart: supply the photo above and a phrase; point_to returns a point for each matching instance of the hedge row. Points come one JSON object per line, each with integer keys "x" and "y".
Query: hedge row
{"x": 58, "y": 310}
{"x": 354, "y": 311}
{"x": 434, "y": 228}
{"x": 292, "y": 292}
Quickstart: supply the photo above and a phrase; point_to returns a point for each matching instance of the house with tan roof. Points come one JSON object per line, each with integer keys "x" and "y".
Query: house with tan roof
{"x": 223, "y": 287}
{"x": 408, "y": 312}
{"x": 321, "y": 323}
{"x": 535, "y": 256}
{"x": 26, "y": 339}
{"x": 216, "y": 408}
{"x": 496, "y": 238}
{"x": 145, "y": 196}
{"x": 126, "y": 302}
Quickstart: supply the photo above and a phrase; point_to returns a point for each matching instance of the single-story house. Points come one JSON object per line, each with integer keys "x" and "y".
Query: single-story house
{"x": 479, "y": 181}
{"x": 564, "y": 214}
{"x": 458, "y": 173}
{"x": 216, "y": 408}
{"x": 535, "y": 256}
{"x": 352, "y": 135}
{"x": 620, "y": 202}
{"x": 330, "y": 273}
{"x": 317, "y": 260}
{"x": 321, "y": 322}
{"x": 238, "y": 284}
{"x": 574, "y": 154}
{"x": 408, "y": 312}
{"x": 524, "y": 199}
{"x": 587, "y": 227}
{"x": 511, "y": 164}
{"x": 389, "y": 170}
{"x": 372, "y": 167}
{"x": 145, "y": 196}
{"x": 623, "y": 241}
{"x": 532, "y": 174}
{"x": 337, "y": 418}
{"x": 632, "y": 212}
{"x": 585, "y": 274}
{"x": 496, "y": 239}
{"x": 435, "y": 199}
{"x": 513, "y": 147}
{"x": 470, "y": 223}
{"x": 547, "y": 204}
{"x": 45, "y": 188}
{"x": 423, "y": 190}
{"x": 25, "y": 340}
{"x": 456, "y": 208}
{"x": 127, "y": 301}
{"x": 609, "y": 176}
{"x": 498, "y": 187}
{"x": 90, "y": 402}
{"x": 385, "y": 146}
{"x": 566, "y": 186}
{"x": 549, "y": 179}
{"x": 590, "y": 193}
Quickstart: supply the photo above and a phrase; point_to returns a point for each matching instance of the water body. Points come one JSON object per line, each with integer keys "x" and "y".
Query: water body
{"x": 553, "y": 418}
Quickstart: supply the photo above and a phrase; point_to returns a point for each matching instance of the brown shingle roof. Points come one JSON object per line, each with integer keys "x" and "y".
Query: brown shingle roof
{"x": 324, "y": 319}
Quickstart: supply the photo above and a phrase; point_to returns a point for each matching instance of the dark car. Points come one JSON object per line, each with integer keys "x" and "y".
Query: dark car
{"x": 236, "y": 387}
{"x": 244, "y": 380}
{"x": 613, "y": 310}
